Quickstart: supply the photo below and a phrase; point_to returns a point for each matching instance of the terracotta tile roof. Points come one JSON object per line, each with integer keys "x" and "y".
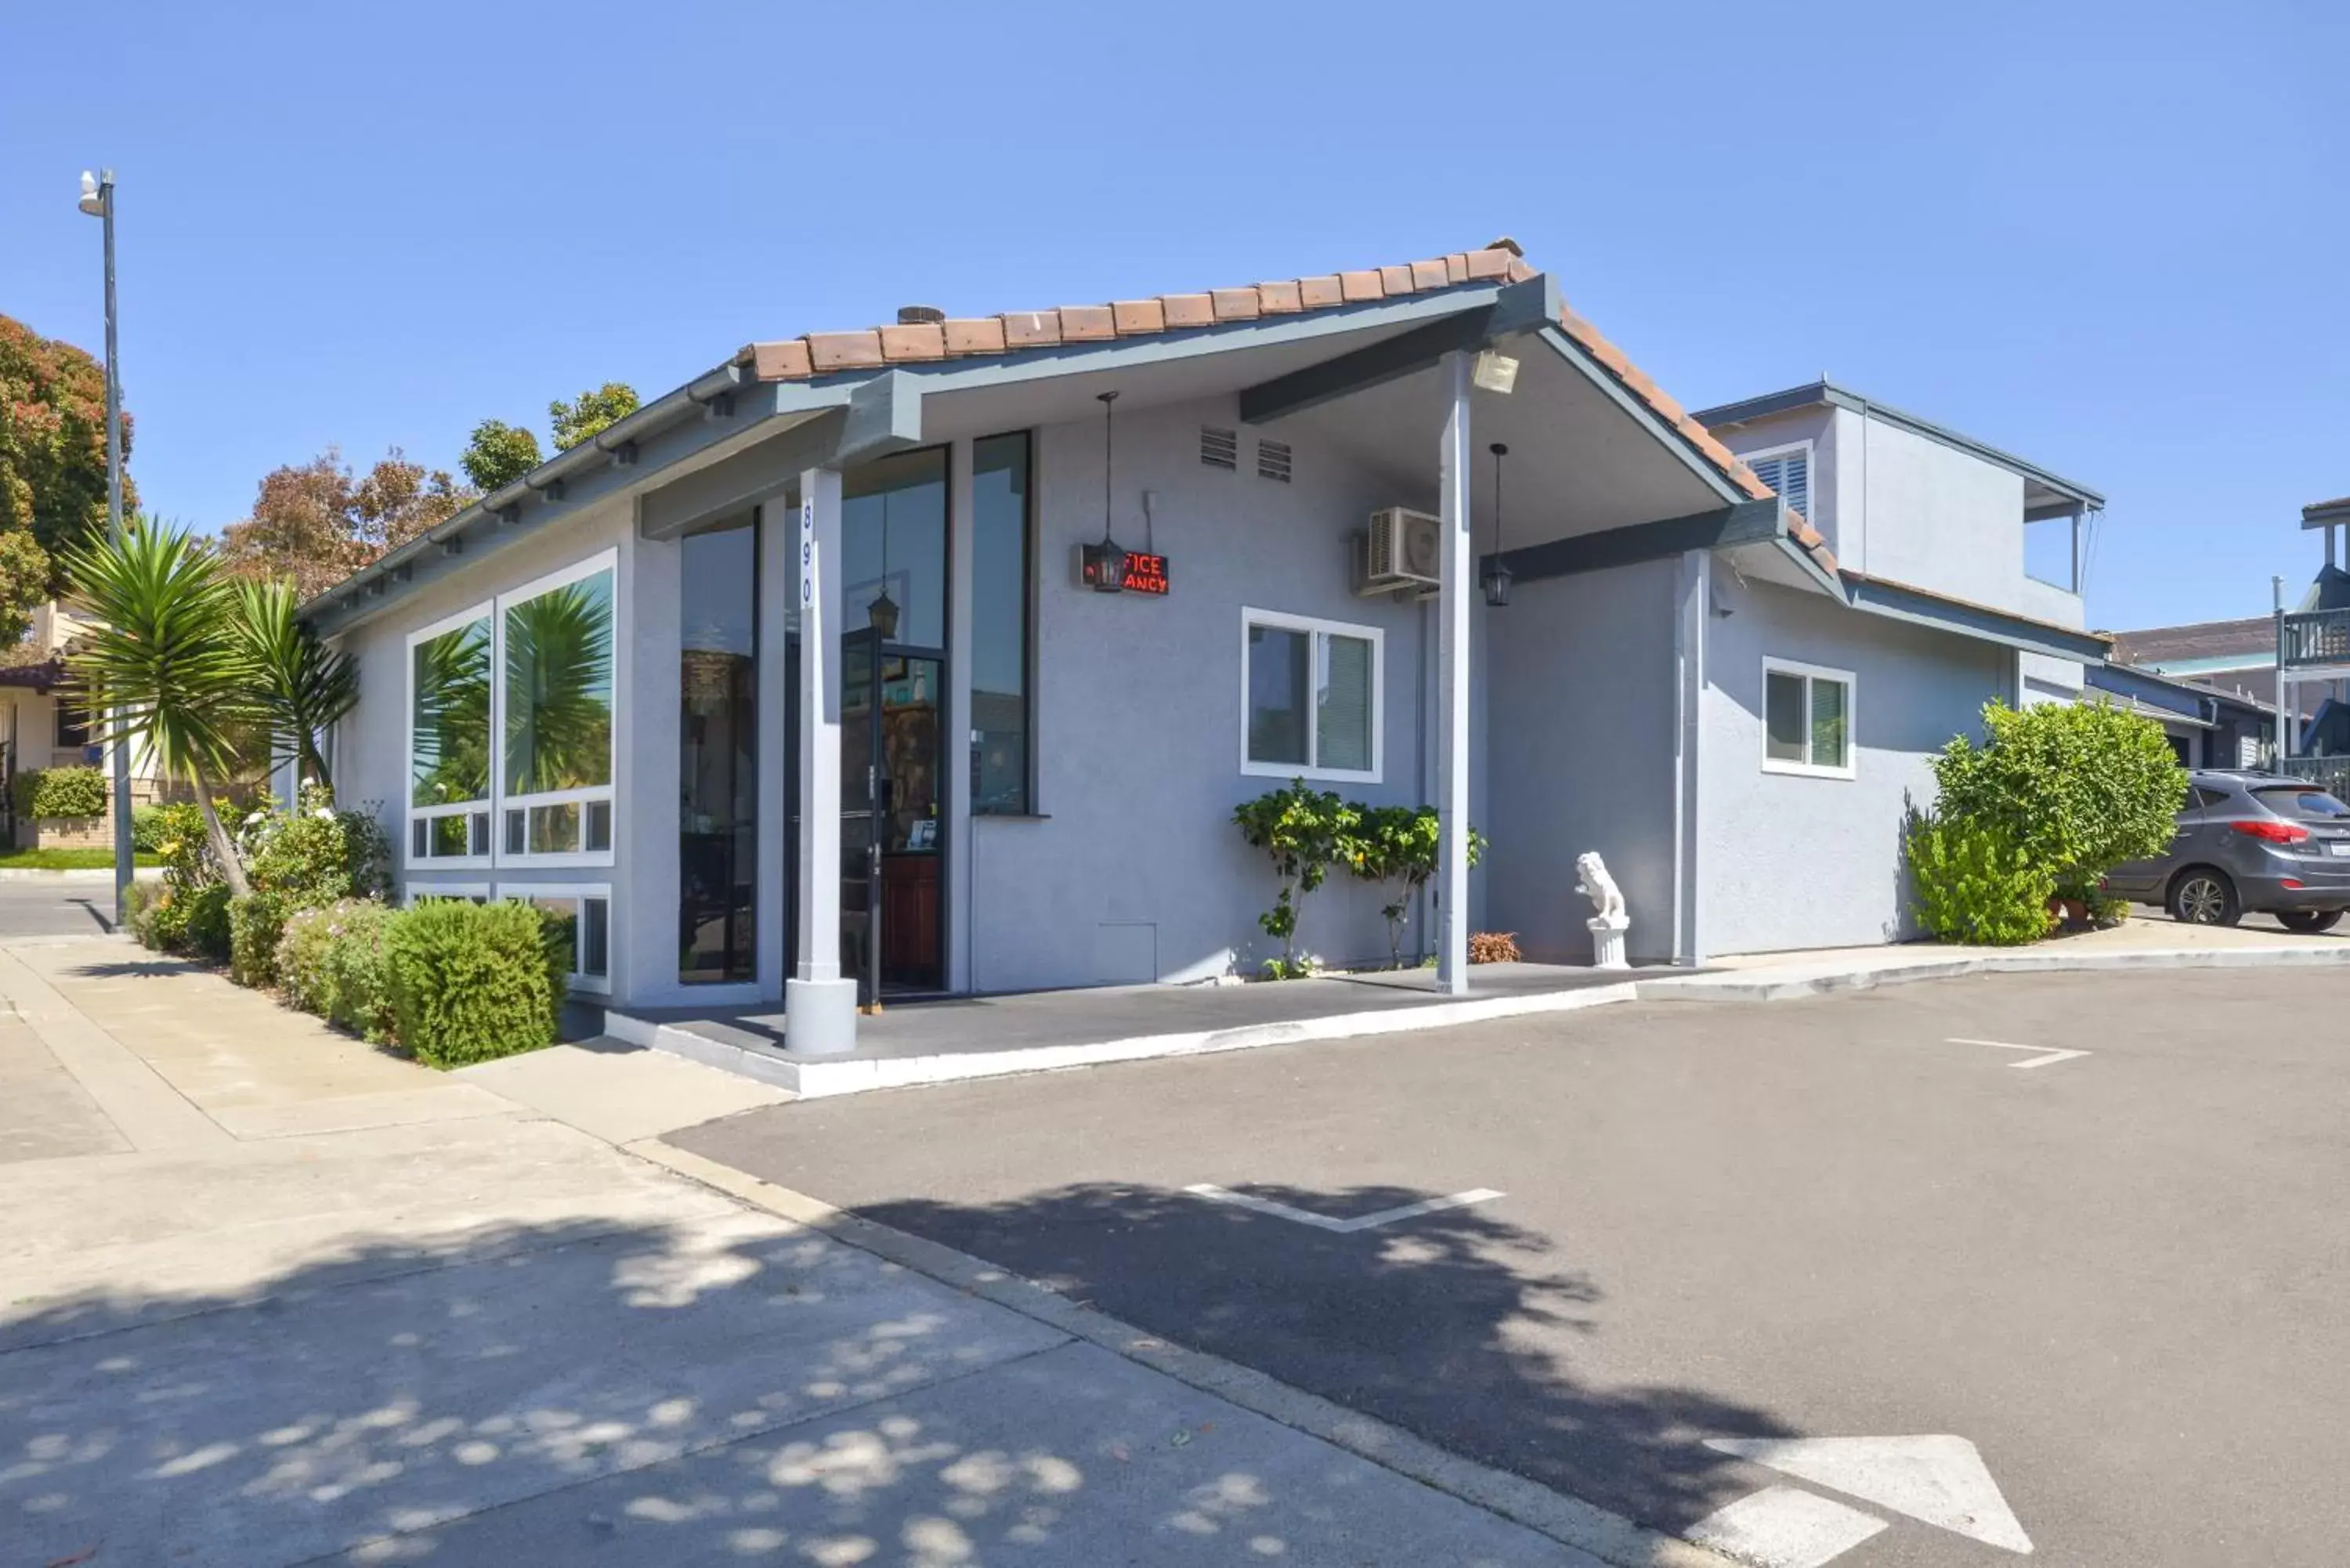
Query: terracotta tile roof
{"x": 985, "y": 337}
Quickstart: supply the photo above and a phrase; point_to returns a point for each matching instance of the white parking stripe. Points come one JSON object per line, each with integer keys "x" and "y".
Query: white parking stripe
{"x": 1324, "y": 1222}
{"x": 2046, "y": 1055}
{"x": 1784, "y": 1527}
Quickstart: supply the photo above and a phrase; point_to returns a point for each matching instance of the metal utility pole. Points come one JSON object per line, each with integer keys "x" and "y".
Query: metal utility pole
{"x": 97, "y": 201}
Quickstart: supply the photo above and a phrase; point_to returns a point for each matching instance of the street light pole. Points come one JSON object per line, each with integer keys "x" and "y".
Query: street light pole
{"x": 98, "y": 199}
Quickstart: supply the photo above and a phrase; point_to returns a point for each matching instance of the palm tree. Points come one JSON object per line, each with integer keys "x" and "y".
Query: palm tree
{"x": 301, "y": 684}
{"x": 165, "y": 663}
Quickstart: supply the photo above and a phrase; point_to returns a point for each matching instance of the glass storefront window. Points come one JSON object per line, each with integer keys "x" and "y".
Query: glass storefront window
{"x": 999, "y": 625}
{"x": 718, "y": 765}
{"x": 903, "y": 496}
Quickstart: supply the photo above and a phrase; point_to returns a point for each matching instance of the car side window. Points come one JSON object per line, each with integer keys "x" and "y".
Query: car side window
{"x": 2201, "y": 799}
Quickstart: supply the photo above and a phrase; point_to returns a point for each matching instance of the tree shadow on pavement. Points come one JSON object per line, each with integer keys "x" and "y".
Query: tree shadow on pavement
{"x": 1457, "y": 1326}
{"x": 730, "y": 1390}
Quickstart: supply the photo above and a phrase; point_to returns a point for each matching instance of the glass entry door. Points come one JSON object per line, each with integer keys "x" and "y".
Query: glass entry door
{"x": 862, "y": 806}
{"x": 892, "y": 938}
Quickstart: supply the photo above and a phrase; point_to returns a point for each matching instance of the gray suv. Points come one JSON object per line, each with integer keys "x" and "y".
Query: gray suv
{"x": 2249, "y": 842}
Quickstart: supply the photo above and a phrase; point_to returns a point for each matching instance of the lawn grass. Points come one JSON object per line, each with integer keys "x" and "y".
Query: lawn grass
{"x": 65, "y": 859}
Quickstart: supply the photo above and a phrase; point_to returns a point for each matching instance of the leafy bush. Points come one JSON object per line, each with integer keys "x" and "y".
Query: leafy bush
{"x": 315, "y": 855}
{"x": 195, "y": 923}
{"x": 1493, "y": 946}
{"x": 2077, "y": 788}
{"x": 471, "y": 982}
{"x": 147, "y": 829}
{"x": 256, "y": 923}
{"x": 61, "y": 791}
{"x": 1974, "y": 884}
{"x": 1302, "y": 830}
{"x": 331, "y": 962}
{"x": 1398, "y": 844}
{"x": 181, "y": 844}
{"x": 138, "y": 909}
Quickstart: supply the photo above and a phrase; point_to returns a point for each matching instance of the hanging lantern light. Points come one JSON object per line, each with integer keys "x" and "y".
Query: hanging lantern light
{"x": 1495, "y": 579}
{"x": 882, "y": 613}
{"x": 1103, "y": 566}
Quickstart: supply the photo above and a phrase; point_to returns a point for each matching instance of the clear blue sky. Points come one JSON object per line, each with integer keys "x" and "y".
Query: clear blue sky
{"x": 2110, "y": 237}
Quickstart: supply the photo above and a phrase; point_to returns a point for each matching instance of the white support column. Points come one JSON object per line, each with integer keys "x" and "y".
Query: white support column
{"x": 1453, "y": 680}
{"x": 819, "y": 1005}
{"x": 956, "y": 742}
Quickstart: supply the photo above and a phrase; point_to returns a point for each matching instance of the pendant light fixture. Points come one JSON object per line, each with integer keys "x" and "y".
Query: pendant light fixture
{"x": 1103, "y": 566}
{"x": 1495, "y": 579}
{"x": 882, "y": 613}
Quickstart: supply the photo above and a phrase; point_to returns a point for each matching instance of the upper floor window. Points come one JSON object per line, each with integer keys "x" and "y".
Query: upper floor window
{"x": 1311, "y": 697}
{"x": 1787, "y": 471}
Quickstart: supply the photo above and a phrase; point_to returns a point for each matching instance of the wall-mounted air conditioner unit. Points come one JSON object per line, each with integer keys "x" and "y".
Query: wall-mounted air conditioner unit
{"x": 1404, "y": 549}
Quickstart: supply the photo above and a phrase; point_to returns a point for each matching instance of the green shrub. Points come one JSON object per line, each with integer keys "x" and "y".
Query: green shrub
{"x": 330, "y": 961}
{"x": 1397, "y": 844}
{"x": 61, "y": 791}
{"x": 314, "y": 854}
{"x": 182, "y": 846}
{"x": 138, "y": 909}
{"x": 1301, "y": 829}
{"x": 194, "y": 924}
{"x": 2077, "y": 787}
{"x": 1975, "y": 885}
{"x": 147, "y": 826}
{"x": 473, "y": 982}
{"x": 255, "y": 924}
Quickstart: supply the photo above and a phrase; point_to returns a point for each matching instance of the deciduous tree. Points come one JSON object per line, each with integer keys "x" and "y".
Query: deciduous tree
{"x": 590, "y": 413}
{"x": 498, "y": 455}
{"x": 53, "y": 444}
{"x": 316, "y": 523}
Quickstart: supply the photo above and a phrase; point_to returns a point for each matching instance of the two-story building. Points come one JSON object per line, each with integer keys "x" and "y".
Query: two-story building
{"x": 935, "y": 657}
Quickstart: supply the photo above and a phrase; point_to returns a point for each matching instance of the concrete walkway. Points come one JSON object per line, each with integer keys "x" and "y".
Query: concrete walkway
{"x": 277, "y": 1298}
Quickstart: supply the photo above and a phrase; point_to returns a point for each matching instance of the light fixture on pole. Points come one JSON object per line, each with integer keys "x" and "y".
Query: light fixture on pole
{"x": 882, "y": 613}
{"x": 1103, "y": 566}
{"x": 1495, "y": 578}
{"x": 97, "y": 201}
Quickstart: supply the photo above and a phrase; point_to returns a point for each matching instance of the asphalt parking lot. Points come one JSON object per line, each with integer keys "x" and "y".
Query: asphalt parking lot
{"x": 2093, "y": 1225}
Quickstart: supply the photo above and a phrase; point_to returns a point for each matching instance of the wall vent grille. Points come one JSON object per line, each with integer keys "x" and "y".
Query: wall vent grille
{"x": 1273, "y": 460}
{"x": 1220, "y": 448}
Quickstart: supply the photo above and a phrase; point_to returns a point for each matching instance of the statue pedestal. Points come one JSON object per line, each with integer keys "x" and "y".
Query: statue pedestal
{"x": 1608, "y": 940}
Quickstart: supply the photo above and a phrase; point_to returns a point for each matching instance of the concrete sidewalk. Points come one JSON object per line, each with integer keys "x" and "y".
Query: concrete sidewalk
{"x": 275, "y": 1297}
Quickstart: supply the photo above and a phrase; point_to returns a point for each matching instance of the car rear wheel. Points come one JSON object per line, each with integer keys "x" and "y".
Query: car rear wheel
{"x": 2202, "y": 897}
{"x": 2309, "y": 920}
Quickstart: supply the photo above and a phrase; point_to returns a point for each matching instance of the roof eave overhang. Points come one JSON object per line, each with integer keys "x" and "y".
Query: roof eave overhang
{"x": 1898, "y": 601}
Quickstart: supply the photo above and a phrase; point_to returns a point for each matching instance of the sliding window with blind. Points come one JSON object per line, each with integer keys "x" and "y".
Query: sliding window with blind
{"x": 1788, "y": 471}
{"x": 1311, "y": 697}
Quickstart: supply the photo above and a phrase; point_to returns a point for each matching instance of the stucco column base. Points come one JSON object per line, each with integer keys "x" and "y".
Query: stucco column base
{"x": 819, "y": 1017}
{"x": 1607, "y": 941}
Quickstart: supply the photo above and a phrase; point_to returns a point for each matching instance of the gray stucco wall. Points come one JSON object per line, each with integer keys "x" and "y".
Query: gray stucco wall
{"x": 1581, "y": 757}
{"x": 1134, "y": 871}
{"x": 1787, "y": 861}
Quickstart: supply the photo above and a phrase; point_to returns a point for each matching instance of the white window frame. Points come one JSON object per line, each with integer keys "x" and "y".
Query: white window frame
{"x": 411, "y": 890}
{"x": 603, "y": 560}
{"x": 414, "y": 814}
{"x": 1283, "y": 620}
{"x": 1811, "y": 473}
{"x": 1811, "y": 672}
{"x": 594, "y": 984}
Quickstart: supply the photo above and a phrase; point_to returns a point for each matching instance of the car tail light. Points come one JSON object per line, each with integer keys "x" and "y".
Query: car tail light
{"x": 2290, "y": 884}
{"x": 2274, "y": 832}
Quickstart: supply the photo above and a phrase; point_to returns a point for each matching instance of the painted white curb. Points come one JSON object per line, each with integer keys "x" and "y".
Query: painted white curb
{"x": 814, "y": 1077}
{"x": 91, "y": 874}
{"x": 1763, "y": 985}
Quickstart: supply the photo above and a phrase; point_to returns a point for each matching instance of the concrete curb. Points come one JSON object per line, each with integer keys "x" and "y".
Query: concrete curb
{"x": 1607, "y": 1537}
{"x": 815, "y": 1077}
{"x": 1761, "y": 985}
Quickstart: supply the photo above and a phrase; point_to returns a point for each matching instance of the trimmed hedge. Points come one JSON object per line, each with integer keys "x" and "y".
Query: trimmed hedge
{"x": 471, "y": 982}
{"x": 61, "y": 791}
{"x": 148, "y": 826}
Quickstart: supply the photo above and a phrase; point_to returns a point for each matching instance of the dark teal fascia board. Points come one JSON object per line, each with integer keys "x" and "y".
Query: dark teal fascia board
{"x": 2151, "y": 690}
{"x": 564, "y": 487}
{"x": 1746, "y": 523}
{"x": 1892, "y": 599}
{"x": 1828, "y": 394}
{"x": 1636, "y": 409}
{"x": 1519, "y": 308}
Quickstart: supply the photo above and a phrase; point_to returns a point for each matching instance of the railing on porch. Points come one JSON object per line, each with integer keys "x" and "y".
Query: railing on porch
{"x": 2333, "y": 772}
{"x": 2315, "y": 637}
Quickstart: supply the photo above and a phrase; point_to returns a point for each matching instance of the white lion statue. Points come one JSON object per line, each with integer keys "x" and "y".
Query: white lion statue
{"x": 1598, "y": 887}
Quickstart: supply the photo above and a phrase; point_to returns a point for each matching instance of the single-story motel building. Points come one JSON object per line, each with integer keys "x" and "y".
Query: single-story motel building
{"x": 806, "y": 681}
